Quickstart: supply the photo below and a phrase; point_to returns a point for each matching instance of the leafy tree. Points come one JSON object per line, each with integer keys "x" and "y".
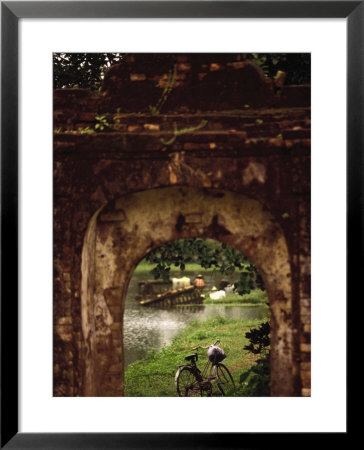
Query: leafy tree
{"x": 249, "y": 279}
{"x": 82, "y": 70}
{"x": 259, "y": 339}
{"x": 207, "y": 253}
{"x": 296, "y": 65}
{"x": 255, "y": 380}
{"x": 86, "y": 70}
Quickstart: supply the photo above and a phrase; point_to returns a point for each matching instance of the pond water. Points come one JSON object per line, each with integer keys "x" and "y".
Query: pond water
{"x": 151, "y": 328}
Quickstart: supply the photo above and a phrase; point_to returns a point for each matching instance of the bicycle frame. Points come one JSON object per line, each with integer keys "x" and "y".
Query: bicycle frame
{"x": 205, "y": 374}
{"x": 208, "y": 368}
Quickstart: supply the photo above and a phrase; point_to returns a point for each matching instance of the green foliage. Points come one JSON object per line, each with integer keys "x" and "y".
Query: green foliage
{"x": 200, "y": 335}
{"x": 171, "y": 81}
{"x": 101, "y": 123}
{"x": 296, "y": 65}
{"x": 81, "y": 70}
{"x": 208, "y": 254}
{"x": 161, "y": 270}
{"x": 261, "y": 61}
{"x": 255, "y": 380}
{"x": 86, "y": 70}
{"x": 185, "y": 130}
{"x": 183, "y": 251}
{"x": 219, "y": 320}
{"x": 259, "y": 339}
{"x": 249, "y": 279}
{"x": 85, "y": 130}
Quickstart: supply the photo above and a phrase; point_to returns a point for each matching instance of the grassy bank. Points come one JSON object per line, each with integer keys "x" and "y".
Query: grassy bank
{"x": 191, "y": 270}
{"x": 153, "y": 376}
{"x": 256, "y": 297}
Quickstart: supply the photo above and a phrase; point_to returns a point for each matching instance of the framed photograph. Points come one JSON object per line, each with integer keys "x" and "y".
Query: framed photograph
{"x": 181, "y": 191}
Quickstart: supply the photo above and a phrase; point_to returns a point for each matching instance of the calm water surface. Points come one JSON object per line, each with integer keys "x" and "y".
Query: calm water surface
{"x": 151, "y": 328}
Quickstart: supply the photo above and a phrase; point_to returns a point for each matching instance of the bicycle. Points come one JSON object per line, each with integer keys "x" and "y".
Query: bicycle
{"x": 191, "y": 382}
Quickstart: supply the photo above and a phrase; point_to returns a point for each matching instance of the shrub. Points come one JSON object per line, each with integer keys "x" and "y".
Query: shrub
{"x": 259, "y": 339}
{"x": 255, "y": 380}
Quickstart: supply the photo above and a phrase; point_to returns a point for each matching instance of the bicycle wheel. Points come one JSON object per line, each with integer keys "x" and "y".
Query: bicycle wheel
{"x": 187, "y": 384}
{"x": 224, "y": 379}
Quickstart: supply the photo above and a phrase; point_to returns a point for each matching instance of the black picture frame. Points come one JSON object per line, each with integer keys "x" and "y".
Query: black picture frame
{"x": 11, "y": 12}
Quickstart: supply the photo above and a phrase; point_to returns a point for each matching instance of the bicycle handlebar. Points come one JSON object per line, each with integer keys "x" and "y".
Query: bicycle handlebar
{"x": 200, "y": 346}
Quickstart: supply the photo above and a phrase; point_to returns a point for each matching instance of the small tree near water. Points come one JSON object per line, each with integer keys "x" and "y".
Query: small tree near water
{"x": 207, "y": 253}
{"x": 255, "y": 380}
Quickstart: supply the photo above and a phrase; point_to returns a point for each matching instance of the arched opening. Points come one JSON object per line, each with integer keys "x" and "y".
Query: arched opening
{"x": 189, "y": 293}
{"x": 124, "y": 231}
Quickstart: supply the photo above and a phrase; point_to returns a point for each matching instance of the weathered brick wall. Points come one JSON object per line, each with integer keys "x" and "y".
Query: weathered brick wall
{"x": 222, "y": 126}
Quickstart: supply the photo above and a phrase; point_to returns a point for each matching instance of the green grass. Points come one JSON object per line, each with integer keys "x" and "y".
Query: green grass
{"x": 191, "y": 270}
{"x": 153, "y": 376}
{"x": 256, "y": 297}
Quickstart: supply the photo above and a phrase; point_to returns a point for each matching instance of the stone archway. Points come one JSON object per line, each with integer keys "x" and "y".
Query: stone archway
{"x": 120, "y": 234}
